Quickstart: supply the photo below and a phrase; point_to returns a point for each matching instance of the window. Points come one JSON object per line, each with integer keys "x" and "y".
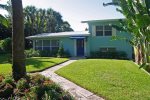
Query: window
{"x": 108, "y": 49}
{"x": 107, "y": 30}
{"x": 104, "y": 30}
{"x": 52, "y": 45}
{"x": 46, "y": 44}
{"x": 38, "y": 45}
{"x": 99, "y": 30}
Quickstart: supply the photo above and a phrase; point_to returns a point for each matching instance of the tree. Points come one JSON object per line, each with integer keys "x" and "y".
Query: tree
{"x": 137, "y": 22}
{"x": 5, "y": 29}
{"x": 18, "y": 61}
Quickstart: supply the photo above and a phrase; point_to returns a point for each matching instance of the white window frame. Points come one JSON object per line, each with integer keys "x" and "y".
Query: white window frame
{"x": 50, "y": 44}
{"x": 103, "y": 30}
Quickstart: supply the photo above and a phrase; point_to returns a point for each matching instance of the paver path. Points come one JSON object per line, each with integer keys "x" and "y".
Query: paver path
{"x": 76, "y": 91}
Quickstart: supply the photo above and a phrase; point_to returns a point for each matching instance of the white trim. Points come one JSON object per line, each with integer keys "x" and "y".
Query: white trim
{"x": 85, "y": 54}
{"x": 93, "y": 30}
{"x": 75, "y": 47}
{"x": 103, "y": 30}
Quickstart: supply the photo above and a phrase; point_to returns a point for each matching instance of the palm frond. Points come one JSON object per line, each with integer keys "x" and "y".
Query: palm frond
{"x": 3, "y": 21}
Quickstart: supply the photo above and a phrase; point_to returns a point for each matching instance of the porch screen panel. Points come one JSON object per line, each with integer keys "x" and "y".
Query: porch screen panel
{"x": 54, "y": 45}
{"x": 46, "y": 44}
{"x": 38, "y": 45}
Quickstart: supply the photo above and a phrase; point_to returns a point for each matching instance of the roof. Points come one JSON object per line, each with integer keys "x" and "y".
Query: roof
{"x": 103, "y": 20}
{"x": 60, "y": 34}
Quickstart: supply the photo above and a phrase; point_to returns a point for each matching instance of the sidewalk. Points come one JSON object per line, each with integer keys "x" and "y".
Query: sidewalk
{"x": 76, "y": 91}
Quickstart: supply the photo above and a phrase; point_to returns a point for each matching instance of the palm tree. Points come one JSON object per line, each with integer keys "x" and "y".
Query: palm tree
{"x": 137, "y": 23}
{"x": 3, "y": 20}
{"x": 18, "y": 61}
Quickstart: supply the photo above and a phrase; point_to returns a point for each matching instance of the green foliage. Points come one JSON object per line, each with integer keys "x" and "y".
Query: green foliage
{"x": 6, "y": 45}
{"x": 62, "y": 53}
{"x": 22, "y": 84}
{"x": 137, "y": 22}
{"x": 8, "y": 80}
{"x": 109, "y": 55}
{"x": 6, "y": 91}
{"x": 39, "y": 20}
{"x": 31, "y": 88}
{"x": 6, "y": 87}
{"x": 3, "y": 21}
{"x": 48, "y": 53}
{"x": 38, "y": 79}
{"x": 32, "y": 53}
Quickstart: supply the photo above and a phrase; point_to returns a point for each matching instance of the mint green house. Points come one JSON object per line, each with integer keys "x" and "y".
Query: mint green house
{"x": 99, "y": 37}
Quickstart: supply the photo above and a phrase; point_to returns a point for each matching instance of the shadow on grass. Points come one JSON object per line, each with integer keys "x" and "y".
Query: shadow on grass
{"x": 4, "y": 58}
{"x": 37, "y": 63}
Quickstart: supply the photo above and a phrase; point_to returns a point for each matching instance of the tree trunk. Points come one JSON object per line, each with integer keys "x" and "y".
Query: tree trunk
{"x": 18, "y": 57}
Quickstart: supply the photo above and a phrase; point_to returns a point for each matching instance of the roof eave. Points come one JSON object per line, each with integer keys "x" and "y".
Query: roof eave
{"x": 100, "y": 20}
{"x": 40, "y": 37}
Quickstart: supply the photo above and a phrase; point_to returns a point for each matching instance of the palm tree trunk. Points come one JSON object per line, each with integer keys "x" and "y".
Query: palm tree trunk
{"x": 18, "y": 64}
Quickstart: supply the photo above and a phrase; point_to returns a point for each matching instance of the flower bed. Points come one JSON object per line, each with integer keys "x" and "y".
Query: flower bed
{"x": 35, "y": 87}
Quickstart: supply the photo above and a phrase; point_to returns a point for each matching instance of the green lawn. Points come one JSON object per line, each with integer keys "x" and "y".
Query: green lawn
{"x": 32, "y": 64}
{"x": 110, "y": 79}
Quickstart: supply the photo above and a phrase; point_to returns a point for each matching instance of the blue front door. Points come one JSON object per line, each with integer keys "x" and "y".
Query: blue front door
{"x": 80, "y": 47}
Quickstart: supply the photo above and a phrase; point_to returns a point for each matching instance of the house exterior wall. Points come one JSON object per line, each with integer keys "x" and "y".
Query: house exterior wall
{"x": 94, "y": 43}
{"x": 68, "y": 44}
{"x": 97, "y": 42}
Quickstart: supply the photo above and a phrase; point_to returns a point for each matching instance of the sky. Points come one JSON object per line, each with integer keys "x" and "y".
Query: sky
{"x": 75, "y": 11}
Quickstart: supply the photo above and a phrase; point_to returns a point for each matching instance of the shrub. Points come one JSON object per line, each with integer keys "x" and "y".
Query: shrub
{"x": 45, "y": 53}
{"x": 48, "y": 53}
{"x": 34, "y": 87}
{"x": 32, "y": 53}
{"x": 109, "y": 55}
{"x": 22, "y": 84}
{"x": 38, "y": 79}
{"x": 62, "y": 53}
{"x": 8, "y": 80}
{"x": 6, "y": 91}
{"x": 6, "y": 45}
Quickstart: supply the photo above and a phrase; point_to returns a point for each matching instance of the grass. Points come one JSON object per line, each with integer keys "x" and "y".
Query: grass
{"x": 110, "y": 79}
{"x": 32, "y": 64}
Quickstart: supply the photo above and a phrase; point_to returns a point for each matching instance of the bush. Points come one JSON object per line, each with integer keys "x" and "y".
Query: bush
{"x": 47, "y": 53}
{"x": 109, "y": 55}
{"x": 6, "y": 91}
{"x": 6, "y": 45}
{"x": 8, "y": 79}
{"x": 6, "y": 87}
{"x": 61, "y": 53}
{"x": 34, "y": 87}
{"x": 22, "y": 84}
{"x": 32, "y": 53}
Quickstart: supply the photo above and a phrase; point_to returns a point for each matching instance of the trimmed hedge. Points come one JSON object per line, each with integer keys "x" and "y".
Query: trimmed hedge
{"x": 47, "y": 53}
{"x": 109, "y": 55}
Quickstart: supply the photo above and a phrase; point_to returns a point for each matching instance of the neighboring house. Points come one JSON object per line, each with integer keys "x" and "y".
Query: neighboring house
{"x": 99, "y": 37}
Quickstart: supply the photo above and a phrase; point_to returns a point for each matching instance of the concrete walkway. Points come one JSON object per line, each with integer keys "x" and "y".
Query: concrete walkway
{"x": 76, "y": 91}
